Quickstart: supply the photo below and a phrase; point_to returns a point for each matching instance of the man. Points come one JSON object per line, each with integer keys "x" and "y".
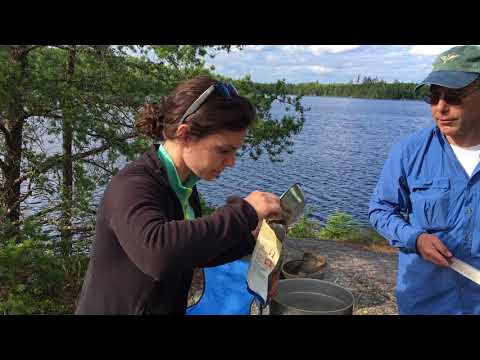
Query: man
{"x": 427, "y": 200}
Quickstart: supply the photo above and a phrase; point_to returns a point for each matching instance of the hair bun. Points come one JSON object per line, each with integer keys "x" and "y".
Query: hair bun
{"x": 150, "y": 120}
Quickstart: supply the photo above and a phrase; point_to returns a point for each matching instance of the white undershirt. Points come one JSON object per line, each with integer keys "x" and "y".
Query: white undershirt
{"x": 468, "y": 157}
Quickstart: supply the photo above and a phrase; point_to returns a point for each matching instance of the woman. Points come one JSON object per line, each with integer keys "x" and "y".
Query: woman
{"x": 149, "y": 232}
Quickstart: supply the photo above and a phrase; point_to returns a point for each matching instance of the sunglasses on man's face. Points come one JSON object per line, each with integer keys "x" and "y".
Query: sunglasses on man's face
{"x": 451, "y": 98}
{"x": 227, "y": 90}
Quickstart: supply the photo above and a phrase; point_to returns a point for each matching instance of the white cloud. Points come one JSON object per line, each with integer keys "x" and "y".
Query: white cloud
{"x": 429, "y": 49}
{"x": 319, "y": 49}
{"x": 255, "y": 47}
{"x": 328, "y": 63}
{"x": 298, "y": 69}
{"x": 319, "y": 69}
{"x": 335, "y": 49}
{"x": 293, "y": 48}
{"x": 394, "y": 54}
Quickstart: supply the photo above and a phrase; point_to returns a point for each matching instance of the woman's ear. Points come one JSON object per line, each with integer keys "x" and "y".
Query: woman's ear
{"x": 183, "y": 133}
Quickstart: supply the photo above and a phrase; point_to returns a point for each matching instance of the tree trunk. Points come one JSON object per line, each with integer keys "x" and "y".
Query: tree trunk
{"x": 67, "y": 183}
{"x": 67, "y": 187}
{"x": 12, "y": 129}
{"x": 12, "y": 172}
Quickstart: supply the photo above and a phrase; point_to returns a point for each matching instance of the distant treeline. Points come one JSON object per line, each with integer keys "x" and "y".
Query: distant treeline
{"x": 371, "y": 88}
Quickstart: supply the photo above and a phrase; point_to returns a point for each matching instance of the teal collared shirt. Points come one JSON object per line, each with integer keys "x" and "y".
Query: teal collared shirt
{"x": 182, "y": 190}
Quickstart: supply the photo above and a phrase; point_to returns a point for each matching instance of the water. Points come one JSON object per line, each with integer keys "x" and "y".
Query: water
{"x": 337, "y": 158}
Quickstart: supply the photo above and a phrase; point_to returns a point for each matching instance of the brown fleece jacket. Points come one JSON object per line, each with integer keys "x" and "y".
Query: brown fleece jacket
{"x": 144, "y": 252}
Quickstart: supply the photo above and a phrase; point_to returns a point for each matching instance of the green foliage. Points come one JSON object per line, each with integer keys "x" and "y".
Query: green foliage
{"x": 34, "y": 280}
{"x": 271, "y": 135}
{"x": 339, "y": 226}
{"x": 372, "y": 88}
{"x": 31, "y": 279}
{"x": 367, "y": 236}
{"x": 306, "y": 227}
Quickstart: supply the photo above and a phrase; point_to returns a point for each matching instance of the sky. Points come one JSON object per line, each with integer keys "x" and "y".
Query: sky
{"x": 328, "y": 63}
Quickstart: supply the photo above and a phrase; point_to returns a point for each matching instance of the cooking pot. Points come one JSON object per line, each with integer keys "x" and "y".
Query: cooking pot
{"x": 305, "y": 296}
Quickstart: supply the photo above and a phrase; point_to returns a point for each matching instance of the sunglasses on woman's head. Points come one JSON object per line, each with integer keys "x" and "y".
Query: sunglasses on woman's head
{"x": 227, "y": 90}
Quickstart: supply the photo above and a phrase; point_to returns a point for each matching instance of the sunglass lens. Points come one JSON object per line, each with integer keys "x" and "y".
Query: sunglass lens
{"x": 429, "y": 99}
{"x": 450, "y": 99}
{"x": 453, "y": 99}
{"x": 227, "y": 90}
{"x": 222, "y": 89}
{"x": 232, "y": 90}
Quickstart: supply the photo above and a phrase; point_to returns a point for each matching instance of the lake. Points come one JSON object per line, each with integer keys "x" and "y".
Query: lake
{"x": 337, "y": 158}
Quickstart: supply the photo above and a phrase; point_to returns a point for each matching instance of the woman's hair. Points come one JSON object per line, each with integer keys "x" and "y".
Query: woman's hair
{"x": 160, "y": 121}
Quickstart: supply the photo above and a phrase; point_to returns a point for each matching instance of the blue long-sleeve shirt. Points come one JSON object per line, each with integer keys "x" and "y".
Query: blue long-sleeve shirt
{"x": 424, "y": 188}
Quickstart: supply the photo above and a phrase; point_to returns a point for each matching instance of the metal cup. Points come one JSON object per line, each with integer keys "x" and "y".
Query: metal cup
{"x": 293, "y": 204}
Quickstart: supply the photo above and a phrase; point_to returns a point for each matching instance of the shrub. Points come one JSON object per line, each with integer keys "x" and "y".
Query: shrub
{"x": 34, "y": 280}
{"x": 342, "y": 226}
{"x": 339, "y": 226}
{"x": 306, "y": 227}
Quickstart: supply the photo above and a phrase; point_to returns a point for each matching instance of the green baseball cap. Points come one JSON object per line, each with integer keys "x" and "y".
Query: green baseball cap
{"x": 455, "y": 68}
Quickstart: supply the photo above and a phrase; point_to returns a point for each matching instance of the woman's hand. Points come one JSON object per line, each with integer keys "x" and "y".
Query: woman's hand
{"x": 267, "y": 205}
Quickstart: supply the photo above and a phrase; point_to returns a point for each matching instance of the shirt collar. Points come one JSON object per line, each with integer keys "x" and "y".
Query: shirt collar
{"x": 183, "y": 190}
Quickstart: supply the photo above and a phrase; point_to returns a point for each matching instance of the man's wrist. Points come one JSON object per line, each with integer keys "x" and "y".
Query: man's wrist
{"x": 412, "y": 241}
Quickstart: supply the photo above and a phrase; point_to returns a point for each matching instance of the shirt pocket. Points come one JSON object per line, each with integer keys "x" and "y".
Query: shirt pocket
{"x": 430, "y": 201}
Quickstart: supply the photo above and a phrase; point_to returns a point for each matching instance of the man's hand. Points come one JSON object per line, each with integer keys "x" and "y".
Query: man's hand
{"x": 432, "y": 249}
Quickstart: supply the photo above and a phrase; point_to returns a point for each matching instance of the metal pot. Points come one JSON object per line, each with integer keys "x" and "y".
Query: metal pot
{"x": 303, "y": 296}
{"x": 303, "y": 269}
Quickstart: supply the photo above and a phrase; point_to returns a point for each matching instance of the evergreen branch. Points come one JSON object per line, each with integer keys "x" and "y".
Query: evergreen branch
{"x": 55, "y": 160}
{"x": 102, "y": 148}
{"x": 94, "y": 163}
{"x": 33, "y": 47}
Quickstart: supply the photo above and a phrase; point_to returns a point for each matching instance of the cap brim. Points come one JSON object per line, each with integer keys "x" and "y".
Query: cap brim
{"x": 449, "y": 79}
